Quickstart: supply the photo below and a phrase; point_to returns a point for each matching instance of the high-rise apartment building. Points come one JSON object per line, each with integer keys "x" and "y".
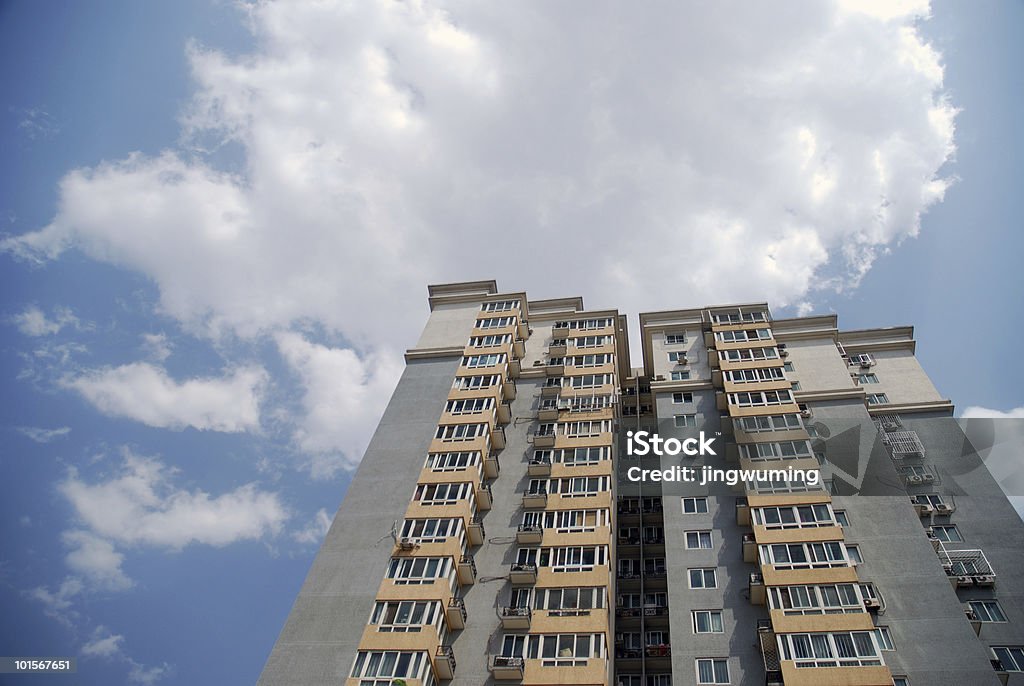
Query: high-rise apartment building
{"x": 494, "y": 532}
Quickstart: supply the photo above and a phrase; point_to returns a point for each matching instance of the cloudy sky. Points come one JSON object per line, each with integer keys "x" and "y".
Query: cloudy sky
{"x": 219, "y": 220}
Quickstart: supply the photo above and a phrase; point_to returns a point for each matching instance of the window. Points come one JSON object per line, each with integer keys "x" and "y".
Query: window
{"x": 794, "y": 516}
{"x": 760, "y": 398}
{"x": 556, "y": 650}
{"x": 787, "y": 366}
{"x": 948, "y": 533}
{"x": 475, "y": 383}
{"x": 452, "y": 462}
{"x": 675, "y": 339}
{"x": 475, "y": 361}
{"x": 841, "y": 517}
{"x": 816, "y": 600}
{"x": 705, "y": 577}
{"x": 707, "y": 622}
{"x": 460, "y": 432}
{"x": 775, "y": 422}
{"x": 683, "y": 420}
{"x": 782, "y": 450}
{"x": 559, "y": 601}
{"x": 680, "y": 376}
{"x": 698, "y": 540}
{"x": 682, "y": 398}
{"x": 900, "y": 681}
{"x": 388, "y": 664}
{"x": 1011, "y": 657}
{"x": 490, "y": 341}
{"x": 805, "y": 555}
{"x": 987, "y": 611}
{"x": 590, "y": 380}
{"x": 884, "y": 638}
{"x": 811, "y": 431}
{"x": 713, "y": 670}
{"x": 853, "y": 552}
{"x": 442, "y": 494}
{"x": 755, "y": 375}
{"x": 500, "y": 306}
{"x": 469, "y": 406}
{"x": 695, "y": 505}
{"x": 877, "y": 399}
{"x": 839, "y": 649}
{"x": 677, "y": 357}
{"x": 418, "y": 570}
{"x": 591, "y": 341}
{"x": 404, "y": 616}
{"x": 867, "y": 378}
{"x": 495, "y": 322}
{"x": 431, "y": 530}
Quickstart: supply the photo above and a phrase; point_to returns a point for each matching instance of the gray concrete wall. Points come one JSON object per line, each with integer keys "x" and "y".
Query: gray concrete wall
{"x": 450, "y": 325}
{"x": 320, "y": 638}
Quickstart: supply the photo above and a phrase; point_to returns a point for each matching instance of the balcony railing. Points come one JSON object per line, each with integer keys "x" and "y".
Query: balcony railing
{"x": 505, "y": 668}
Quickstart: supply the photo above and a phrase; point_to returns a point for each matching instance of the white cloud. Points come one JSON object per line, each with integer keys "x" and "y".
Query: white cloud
{"x": 102, "y": 643}
{"x": 344, "y": 395}
{"x": 32, "y": 321}
{"x": 315, "y": 530}
{"x": 976, "y": 412}
{"x": 157, "y": 346}
{"x": 140, "y": 506}
{"x": 41, "y": 435}
{"x": 58, "y": 604}
{"x": 145, "y": 393}
{"x": 387, "y": 145}
{"x": 96, "y": 559}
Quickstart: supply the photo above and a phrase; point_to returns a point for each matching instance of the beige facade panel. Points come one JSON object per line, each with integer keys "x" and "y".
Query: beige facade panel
{"x": 557, "y": 501}
{"x": 800, "y": 577}
{"x": 436, "y": 590}
{"x": 547, "y": 578}
{"x": 765, "y": 536}
{"x": 780, "y": 499}
{"x": 835, "y": 676}
{"x": 594, "y": 621}
{"x": 791, "y": 624}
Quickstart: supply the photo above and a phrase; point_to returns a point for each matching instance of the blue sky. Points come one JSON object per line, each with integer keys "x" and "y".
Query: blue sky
{"x": 218, "y": 228}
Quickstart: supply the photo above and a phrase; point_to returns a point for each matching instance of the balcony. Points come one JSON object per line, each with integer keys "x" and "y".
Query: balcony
{"x": 545, "y": 437}
{"x": 535, "y": 498}
{"x": 508, "y": 389}
{"x": 769, "y": 653}
{"x": 504, "y": 413}
{"x": 514, "y": 367}
{"x": 551, "y": 389}
{"x": 491, "y": 466}
{"x": 484, "y": 497}
{"x": 628, "y": 653}
{"x": 548, "y": 410}
{"x": 519, "y": 348}
{"x": 660, "y": 650}
{"x": 504, "y": 668}
{"x": 967, "y": 568}
{"x": 455, "y": 613}
{"x": 539, "y": 466}
{"x": 515, "y": 617}
{"x": 742, "y": 512}
{"x": 528, "y": 534}
{"x": 523, "y": 573}
{"x": 498, "y": 438}
{"x": 749, "y": 548}
{"x": 757, "y": 590}
{"x": 444, "y": 662}
{"x": 475, "y": 531}
{"x": 555, "y": 366}
{"x": 467, "y": 570}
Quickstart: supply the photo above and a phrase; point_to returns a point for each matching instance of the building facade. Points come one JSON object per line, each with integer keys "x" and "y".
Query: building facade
{"x": 492, "y": 533}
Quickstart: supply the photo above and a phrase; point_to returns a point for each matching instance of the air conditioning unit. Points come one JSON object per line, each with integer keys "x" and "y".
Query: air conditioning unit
{"x": 927, "y": 478}
{"x": 407, "y": 544}
{"x": 929, "y": 532}
{"x": 872, "y": 604}
{"x": 984, "y": 580}
{"x": 659, "y": 377}
{"x": 682, "y": 361}
{"x": 865, "y": 364}
{"x": 964, "y": 580}
{"x": 806, "y": 414}
{"x": 943, "y": 509}
{"x": 923, "y": 509}
{"x": 914, "y": 479}
{"x": 783, "y": 353}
